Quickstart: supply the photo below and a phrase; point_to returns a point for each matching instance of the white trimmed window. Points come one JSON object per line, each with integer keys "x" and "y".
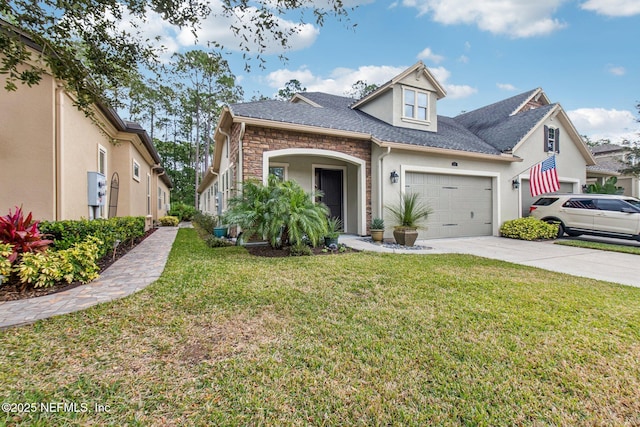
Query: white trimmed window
{"x": 551, "y": 139}
{"x": 415, "y": 104}
{"x": 148, "y": 194}
{"x": 136, "y": 170}
{"x": 280, "y": 170}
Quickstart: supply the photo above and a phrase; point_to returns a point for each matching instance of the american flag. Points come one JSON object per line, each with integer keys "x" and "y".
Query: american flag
{"x": 543, "y": 177}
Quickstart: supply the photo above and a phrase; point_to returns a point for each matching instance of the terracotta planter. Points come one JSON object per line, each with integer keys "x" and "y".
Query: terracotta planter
{"x": 405, "y": 236}
{"x": 377, "y": 235}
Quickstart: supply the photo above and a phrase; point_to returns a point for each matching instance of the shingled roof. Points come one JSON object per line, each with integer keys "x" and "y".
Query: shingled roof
{"x": 488, "y": 130}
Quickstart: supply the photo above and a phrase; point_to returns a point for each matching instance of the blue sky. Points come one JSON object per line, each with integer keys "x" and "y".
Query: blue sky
{"x": 585, "y": 54}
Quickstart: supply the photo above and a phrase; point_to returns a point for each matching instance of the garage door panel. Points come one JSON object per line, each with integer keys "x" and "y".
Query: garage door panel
{"x": 462, "y": 205}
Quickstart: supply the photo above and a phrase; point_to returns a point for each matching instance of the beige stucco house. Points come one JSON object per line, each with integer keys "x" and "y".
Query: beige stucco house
{"x": 60, "y": 164}
{"x": 472, "y": 169}
{"x": 610, "y": 160}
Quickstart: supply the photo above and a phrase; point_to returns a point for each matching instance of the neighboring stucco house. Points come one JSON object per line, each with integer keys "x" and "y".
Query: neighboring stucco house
{"x": 610, "y": 159}
{"x": 472, "y": 169}
{"x": 60, "y": 164}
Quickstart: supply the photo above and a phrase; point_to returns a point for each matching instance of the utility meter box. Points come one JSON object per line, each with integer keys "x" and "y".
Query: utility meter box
{"x": 97, "y": 188}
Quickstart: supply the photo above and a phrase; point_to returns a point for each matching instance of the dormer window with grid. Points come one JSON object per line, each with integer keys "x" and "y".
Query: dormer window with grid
{"x": 551, "y": 140}
{"x": 415, "y": 105}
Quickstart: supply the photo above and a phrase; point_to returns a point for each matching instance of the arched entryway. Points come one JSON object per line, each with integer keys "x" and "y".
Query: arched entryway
{"x": 341, "y": 177}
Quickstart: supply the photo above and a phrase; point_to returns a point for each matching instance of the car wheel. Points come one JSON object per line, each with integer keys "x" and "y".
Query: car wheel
{"x": 560, "y": 228}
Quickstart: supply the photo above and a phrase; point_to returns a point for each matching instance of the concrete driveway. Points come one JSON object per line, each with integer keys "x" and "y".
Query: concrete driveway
{"x": 602, "y": 265}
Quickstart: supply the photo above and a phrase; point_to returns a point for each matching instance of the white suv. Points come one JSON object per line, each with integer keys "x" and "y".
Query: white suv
{"x": 596, "y": 214}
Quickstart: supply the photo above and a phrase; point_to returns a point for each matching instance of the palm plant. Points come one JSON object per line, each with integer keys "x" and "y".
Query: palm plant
{"x": 282, "y": 212}
{"x": 409, "y": 211}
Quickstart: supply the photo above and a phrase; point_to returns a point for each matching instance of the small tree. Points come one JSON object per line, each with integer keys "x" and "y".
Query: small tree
{"x": 360, "y": 89}
{"x": 609, "y": 187}
{"x": 281, "y": 212}
{"x": 290, "y": 88}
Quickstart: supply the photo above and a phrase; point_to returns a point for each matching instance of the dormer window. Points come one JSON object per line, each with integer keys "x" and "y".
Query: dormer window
{"x": 551, "y": 140}
{"x": 415, "y": 104}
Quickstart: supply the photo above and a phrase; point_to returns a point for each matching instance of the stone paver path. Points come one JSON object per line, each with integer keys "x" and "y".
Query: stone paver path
{"x": 137, "y": 269}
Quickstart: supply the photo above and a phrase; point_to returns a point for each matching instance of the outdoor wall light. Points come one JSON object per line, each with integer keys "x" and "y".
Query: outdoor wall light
{"x": 394, "y": 177}
{"x": 515, "y": 184}
{"x": 454, "y": 163}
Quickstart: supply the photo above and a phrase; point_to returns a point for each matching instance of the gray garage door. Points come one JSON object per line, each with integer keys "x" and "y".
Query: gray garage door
{"x": 462, "y": 205}
{"x": 527, "y": 200}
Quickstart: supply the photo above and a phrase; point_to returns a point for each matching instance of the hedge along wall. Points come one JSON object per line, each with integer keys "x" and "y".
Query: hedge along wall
{"x": 69, "y": 232}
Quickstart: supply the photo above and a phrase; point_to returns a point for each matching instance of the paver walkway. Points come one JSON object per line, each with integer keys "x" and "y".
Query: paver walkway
{"x": 137, "y": 269}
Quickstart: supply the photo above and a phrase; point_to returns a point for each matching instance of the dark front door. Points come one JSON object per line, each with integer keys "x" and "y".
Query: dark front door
{"x": 329, "y": 181}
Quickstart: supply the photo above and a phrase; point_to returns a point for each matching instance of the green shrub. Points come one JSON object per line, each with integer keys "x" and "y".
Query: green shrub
{"x": 45, "y": 269}
{"x": 282, "y": 212}
{"x": 168, "y": 221}
{"x": 529, "y": 228}
{"x": 6, "y": 251}
{"x": 300, "y": 250}
{"x": 67, "y": 233}
{"x": 182, "y": 211}
{"x": 206, "y": 221}
{"x": 377, "y": 224}
{"x": 217, "y": 242}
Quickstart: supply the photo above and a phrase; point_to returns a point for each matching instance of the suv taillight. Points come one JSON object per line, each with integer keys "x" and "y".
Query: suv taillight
{"x": 532, "y": 208}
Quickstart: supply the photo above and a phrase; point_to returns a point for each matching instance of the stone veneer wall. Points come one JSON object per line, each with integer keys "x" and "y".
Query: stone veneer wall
{"x": 257, "y": 140}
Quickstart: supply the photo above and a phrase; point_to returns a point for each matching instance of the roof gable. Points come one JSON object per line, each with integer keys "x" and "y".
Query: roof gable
{"x": 494, "y": 130}
{"x": 418, "y": 68}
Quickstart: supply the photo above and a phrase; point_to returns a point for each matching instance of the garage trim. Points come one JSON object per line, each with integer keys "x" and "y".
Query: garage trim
{"x": 464, "y": 172}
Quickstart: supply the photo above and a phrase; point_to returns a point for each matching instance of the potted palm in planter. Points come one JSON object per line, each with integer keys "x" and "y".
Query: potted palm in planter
{"x": 334, "y": 226}
{"x": 409, "y": 213}
{"x": 377, "y": 229}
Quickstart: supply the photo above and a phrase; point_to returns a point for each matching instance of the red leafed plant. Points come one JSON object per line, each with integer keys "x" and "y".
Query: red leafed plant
{"x": 22, "y": 233}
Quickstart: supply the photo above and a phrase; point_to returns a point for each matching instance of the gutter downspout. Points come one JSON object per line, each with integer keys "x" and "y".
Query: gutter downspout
{"x": 155, "y": 168}
{"x": 243, "y": 128}
{"x": 380, "y": 177}
{"x": 57, "y": 154}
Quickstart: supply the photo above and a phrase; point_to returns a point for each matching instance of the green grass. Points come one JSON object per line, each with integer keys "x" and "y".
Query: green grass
{"x": 635, "y": 250}
{"x": 224, "y": 338}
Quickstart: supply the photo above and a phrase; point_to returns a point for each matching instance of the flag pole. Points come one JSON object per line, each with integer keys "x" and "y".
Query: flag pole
{"x": 529, "y": 168}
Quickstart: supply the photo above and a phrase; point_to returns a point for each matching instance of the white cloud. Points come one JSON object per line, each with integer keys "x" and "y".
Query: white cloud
{"x": 616, "y": 71}
{"x": 428, "y": 55}
{"x": 217, "y": 27}
{"x": 613, "y": 7}
{"x": 339, "y": 80}
{"x": 599, "y": 123}
{"x": 516, "y": 18}
{"x": 453, "y": 91}
{"x": 506, "y": 86}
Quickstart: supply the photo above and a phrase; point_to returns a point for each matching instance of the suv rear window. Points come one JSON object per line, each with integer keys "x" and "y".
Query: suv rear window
{"x": 545, "y": 201}
{"x": 580, "y": 204}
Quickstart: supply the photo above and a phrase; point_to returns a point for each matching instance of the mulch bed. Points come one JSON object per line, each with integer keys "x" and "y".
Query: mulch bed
{"x": 269, "y": 252}
{"x": 11, "y": 292}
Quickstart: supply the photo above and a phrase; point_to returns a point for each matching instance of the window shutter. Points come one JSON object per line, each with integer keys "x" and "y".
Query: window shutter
{"x": 546, "y": 138}
{"x": 558, "y": 140}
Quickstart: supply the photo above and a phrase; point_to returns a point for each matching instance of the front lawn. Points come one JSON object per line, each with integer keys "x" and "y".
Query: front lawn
{"x": 225, "y": 338}
{"x": 626, "y": 249}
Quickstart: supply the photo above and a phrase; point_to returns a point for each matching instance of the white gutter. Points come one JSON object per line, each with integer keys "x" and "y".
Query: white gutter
{"x": 243, "y": 128}
{"x": 380, "y": 178}
{"x": 57, "y": 162}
